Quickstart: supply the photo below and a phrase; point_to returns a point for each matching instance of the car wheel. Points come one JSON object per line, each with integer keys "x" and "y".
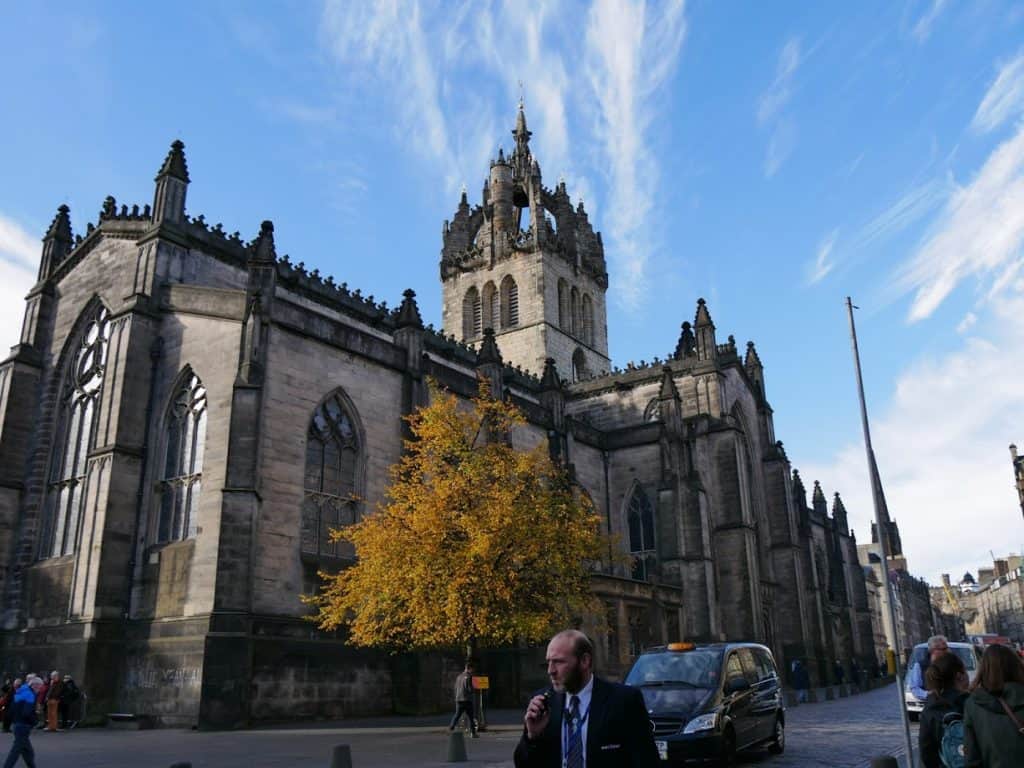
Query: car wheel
{"x": 778, "y": 743}
{"x": 914, "y": 716}
{"x": 728, "y": 756}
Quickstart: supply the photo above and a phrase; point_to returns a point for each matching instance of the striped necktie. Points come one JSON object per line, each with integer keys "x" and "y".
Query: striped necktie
{"x": 574, "y": 747}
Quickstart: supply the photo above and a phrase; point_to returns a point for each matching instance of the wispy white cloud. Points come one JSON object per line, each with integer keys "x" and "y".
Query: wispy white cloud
{"x": 16, "y": 245}
{"x": 979, "y": 232}
{"x": 422, "y": 52}
{"x": 941, "y": 438}
{"x": 19, "y": 258}
{"x": 779, "y": 92}
{"x": 913, "y": 205}
{"x": 630, "y": 52}
{"x": 941, "y": 450}
{"x": 923, "y": 28}
{"x": 1004, "y": 99}
{"x": 822, "y": 265}
{"x": 771, "y": 106}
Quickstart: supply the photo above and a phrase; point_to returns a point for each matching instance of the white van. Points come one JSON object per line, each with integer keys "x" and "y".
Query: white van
{"x": 919, "y": 655}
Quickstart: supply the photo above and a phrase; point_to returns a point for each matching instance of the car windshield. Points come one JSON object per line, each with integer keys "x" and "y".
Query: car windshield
{"x": 966, "y": 654}
{"x": 697, "y": 669}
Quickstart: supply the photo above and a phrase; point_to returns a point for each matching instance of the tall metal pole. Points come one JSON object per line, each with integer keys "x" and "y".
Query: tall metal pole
{"x": 883, "y": 534}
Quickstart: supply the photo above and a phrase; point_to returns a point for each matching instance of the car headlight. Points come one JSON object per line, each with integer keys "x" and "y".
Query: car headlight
{"x": 701, "y": 723}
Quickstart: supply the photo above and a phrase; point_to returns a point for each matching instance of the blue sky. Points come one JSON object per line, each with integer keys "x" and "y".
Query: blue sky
{"x": 771, "y": 157}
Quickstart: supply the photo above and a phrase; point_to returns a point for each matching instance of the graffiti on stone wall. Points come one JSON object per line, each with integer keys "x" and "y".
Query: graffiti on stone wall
{"x": 156, "y": 677}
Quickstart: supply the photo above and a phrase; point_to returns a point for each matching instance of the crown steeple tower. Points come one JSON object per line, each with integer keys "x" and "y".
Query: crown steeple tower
{"x": 528, "y": 265}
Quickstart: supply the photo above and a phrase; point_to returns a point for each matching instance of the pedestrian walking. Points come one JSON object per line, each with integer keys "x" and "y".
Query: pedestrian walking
{"x": 582, "y": 720}
{"x": 70, "y": 694}
{"x": 464, "y": 699}
{"x": 53, "y": 696}
{"x": 948, "y": 686}
{"x": 801, "y": 680}
{"x": 24, "y": 719}
{"x": 838, "y": 671}
{"x": 994, "y": 712}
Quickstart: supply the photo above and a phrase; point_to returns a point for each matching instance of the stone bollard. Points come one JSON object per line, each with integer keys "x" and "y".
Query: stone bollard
{"x": 456, "y": 747}
{"x": 341, "y": 757}
{"x": 885, "y": 761}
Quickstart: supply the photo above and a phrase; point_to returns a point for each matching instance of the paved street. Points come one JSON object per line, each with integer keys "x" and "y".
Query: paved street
{"x": 846, "y": 732}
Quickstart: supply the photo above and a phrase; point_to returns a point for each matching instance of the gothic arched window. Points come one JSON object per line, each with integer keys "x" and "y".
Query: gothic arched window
{"x": 640, "y": 519}
{"x": 491, "y": 307}
{"x": 182, "y": 476}
{"x": 471, "y": 315}
{"x": 76, "y": 436}
{"x": 509, "y": 302}
{"x": 563, "y": 305}
{"x": 588, "y": 320}
{"x": 332, "y": 461}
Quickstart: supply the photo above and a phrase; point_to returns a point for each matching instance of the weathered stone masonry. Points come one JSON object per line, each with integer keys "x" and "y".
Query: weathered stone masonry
{"x": 234, "y": 406}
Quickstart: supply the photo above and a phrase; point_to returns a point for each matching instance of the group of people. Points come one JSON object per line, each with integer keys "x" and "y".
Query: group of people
{"x": 981, "y": 724}
{"x": 35, "y": 701}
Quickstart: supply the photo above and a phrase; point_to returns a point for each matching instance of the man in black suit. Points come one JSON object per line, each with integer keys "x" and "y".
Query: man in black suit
{"x": 585, "y": 722}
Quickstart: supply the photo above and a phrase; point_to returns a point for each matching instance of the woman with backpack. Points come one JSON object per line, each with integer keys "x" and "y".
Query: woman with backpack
{"x": 947, "y": 682}
{"x": 994, "y": 713}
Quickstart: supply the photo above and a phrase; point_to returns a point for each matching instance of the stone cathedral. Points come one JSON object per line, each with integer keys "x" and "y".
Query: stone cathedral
{"x": 187, "y": 414}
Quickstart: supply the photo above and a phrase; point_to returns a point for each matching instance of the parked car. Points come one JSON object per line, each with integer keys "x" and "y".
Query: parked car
{"x": 708, "y": 702}
{"x": 966, "y": 652}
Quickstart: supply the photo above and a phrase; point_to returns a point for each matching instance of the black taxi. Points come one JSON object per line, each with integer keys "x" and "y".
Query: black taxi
{"x": 708, "y": 702}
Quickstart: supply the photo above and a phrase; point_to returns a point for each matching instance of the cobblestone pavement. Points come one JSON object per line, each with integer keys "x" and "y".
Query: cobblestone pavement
{"x": 845, "y": 733}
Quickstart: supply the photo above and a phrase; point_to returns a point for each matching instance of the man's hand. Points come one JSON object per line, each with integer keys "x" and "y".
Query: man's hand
{"x": 537, "y": 715}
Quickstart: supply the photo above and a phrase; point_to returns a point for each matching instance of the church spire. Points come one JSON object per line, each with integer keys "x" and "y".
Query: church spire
{"x": 521, "y": 134}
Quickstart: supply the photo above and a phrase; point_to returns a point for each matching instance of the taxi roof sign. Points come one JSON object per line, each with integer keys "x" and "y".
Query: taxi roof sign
{"x": 681, "y": 646}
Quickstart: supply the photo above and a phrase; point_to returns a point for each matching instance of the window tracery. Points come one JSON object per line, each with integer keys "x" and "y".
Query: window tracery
{"x": 182, "y": 476}
{"x": 640, "y": 520}
{"x": 329, "y": 498}
{"x": 76, "y": 436}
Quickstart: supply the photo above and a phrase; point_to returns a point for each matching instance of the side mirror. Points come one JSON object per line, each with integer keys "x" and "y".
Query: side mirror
{"x": 736, "y": 684}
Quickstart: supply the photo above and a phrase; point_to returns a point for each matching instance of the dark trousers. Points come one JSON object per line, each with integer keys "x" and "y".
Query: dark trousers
{"x": 467, "y": 707}
{"x": 21, "y": 747}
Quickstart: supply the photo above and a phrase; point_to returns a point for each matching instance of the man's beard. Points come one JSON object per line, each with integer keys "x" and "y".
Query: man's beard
{"x": 574, "y": 680}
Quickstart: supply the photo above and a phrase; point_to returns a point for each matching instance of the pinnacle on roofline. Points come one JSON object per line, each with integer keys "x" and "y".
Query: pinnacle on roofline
{"x": 174, "y": 164}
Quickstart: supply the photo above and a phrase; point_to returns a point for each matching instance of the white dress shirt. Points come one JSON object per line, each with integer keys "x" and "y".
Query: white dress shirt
{"x": 585, "y": 695}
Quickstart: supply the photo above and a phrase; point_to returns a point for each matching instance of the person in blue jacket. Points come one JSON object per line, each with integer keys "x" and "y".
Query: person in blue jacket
{"x": 23, "y": 719}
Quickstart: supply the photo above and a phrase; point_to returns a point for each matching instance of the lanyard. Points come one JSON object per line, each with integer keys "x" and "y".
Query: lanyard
{"x": 567, "y": 733}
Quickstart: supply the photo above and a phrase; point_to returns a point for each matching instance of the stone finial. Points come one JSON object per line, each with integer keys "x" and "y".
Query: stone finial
{"x": 262, "y": 248}
{"x": 550, "y": 379}
{"x": 818, "y": 499}
{"x": 109, "y": 209}
{"x": 703, "y": 317}
{"x": 839, "y": 514}
{"x": 409, "y": 312}
{"x": 174, "y": 164}
{"x": 798, "y": 486}
{"x": 60, "y": 227}
{"x": 489, "y": 352}
{"x": 752, "y": 359}
{"x": 56, "y": 243}
{"x": 687, "y": 343}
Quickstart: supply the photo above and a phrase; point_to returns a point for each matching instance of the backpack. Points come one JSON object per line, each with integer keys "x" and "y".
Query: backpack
{"x": 951, "y": 748}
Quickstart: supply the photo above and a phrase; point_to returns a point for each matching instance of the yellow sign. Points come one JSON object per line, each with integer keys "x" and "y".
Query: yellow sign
{"x": 481, "y": 682}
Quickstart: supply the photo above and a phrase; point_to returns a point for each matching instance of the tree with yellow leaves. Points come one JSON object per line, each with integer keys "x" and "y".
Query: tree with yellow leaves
{"x": 476, "y": 542}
